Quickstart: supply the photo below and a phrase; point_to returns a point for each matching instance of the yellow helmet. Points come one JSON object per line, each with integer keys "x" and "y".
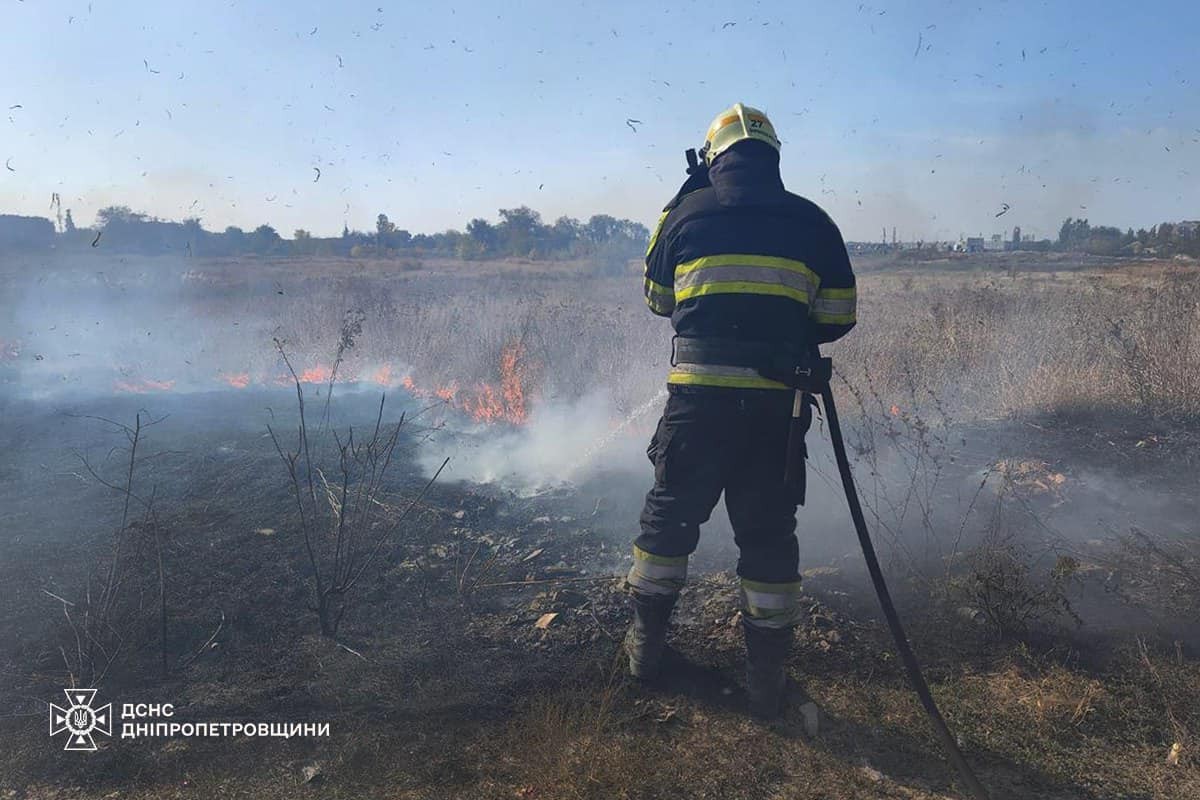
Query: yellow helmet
{"x": 736, "y": 124}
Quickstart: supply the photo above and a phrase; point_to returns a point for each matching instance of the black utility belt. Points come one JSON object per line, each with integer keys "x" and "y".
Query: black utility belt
{"x": 799, "y": 369}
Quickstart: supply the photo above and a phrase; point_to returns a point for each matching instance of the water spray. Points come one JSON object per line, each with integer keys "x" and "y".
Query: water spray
{"x": 604, "y": 441}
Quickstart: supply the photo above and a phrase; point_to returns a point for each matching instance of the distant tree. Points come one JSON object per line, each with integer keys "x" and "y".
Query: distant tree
{"x": 481, "y": 239}
{"x": 452, "y": 242}
{"x": 1079, "y": 235}
{"x": 191, "y": 232}
{"x": 564, "y": 235}
{"x": 385, "y": 231}
{"x": 117, "y": 215}
{"x": 302, "y": 242}
{"x": 264, "y": 239}
{"x": 635, "y": 232}
{"x": 128, "y": 230}
{"x": 518, "y": 230}
{"x": 1104, "y": 240}
{"x": 1073, "y": 234}
{"x": 600, "y": 228}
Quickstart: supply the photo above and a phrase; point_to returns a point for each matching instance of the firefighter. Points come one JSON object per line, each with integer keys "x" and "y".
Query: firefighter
{"x": 752, "y": 277}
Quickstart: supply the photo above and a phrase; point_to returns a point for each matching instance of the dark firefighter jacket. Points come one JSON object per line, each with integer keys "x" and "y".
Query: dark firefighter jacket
{"x": 745, "y": 259}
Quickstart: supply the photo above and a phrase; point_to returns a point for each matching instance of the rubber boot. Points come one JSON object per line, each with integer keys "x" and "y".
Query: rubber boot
{"x": 647, "y": 635}
{"x": 766, "y": 679}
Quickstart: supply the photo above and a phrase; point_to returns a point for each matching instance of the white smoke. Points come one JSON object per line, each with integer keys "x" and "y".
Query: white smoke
{"x": 560, "y": 444}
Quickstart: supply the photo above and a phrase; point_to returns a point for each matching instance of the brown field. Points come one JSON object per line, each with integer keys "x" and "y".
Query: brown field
{"x": 1025, "y": 432}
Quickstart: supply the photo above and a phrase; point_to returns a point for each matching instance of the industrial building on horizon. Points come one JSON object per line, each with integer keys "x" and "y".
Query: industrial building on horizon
{"x": 996, "y": 242}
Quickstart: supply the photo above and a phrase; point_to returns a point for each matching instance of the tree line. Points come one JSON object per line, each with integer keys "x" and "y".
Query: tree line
{"x": 519, "y": 233}
{"x": 1163, "y": 240}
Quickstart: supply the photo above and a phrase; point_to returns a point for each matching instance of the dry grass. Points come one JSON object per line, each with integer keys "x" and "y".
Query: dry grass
{"x": 997, "y": 343}
{"x": 1113, "y": 732}
{"x": 1034, "y": 343}
{"x": 1037, "y": 726}
{"x": 454, "y": 702}
{"x": 666, "y": 747}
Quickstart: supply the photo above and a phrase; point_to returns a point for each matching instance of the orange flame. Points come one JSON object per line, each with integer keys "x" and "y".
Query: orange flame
{"x": 510, "y": 382}
{"x": 317, "y": 374}
{"x": 383, "y": 375}
{"x": 142, "y": 386}
{"x": 485, "y": 402}
{"x": 488, "y": 403}
{"x": 506, "y": 401}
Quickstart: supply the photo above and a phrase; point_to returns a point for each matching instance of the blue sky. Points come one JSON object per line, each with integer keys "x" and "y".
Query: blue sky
{"x": 927, "y": 116}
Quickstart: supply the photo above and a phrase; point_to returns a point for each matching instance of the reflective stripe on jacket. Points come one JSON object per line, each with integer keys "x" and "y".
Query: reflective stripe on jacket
{"x": 743, "y": 258}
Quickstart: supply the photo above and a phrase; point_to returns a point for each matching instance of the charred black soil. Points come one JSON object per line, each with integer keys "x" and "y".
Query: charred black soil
{"x": 481, "y": 658}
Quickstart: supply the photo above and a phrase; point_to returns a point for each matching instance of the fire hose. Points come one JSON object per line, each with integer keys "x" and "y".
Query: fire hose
{"x": 915, "y": 677}
{"x": 809, "y": 374}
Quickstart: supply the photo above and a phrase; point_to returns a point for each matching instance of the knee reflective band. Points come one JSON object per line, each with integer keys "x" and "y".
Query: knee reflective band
{"x": 651, "y": 574}
{"x": 771, "y": 605}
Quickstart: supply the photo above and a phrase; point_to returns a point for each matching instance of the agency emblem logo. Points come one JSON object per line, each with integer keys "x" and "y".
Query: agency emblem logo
{"x": 80, "y": 719}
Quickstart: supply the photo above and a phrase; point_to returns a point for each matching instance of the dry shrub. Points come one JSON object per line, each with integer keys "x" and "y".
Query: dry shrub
{"x": 1001, "y": 584}
{"x": 346, "y": 522}
{"x": 112, "y": 619}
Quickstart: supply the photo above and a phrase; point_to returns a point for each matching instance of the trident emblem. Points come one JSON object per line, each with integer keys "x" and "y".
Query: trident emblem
{"x": 79, "y": 719}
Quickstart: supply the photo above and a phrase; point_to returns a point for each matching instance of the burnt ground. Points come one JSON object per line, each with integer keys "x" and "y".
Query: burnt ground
{"x": 441, "y": 683}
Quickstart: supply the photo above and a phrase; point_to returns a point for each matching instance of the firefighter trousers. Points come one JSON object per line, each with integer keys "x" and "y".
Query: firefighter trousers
{"x": 710, "y": 441}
